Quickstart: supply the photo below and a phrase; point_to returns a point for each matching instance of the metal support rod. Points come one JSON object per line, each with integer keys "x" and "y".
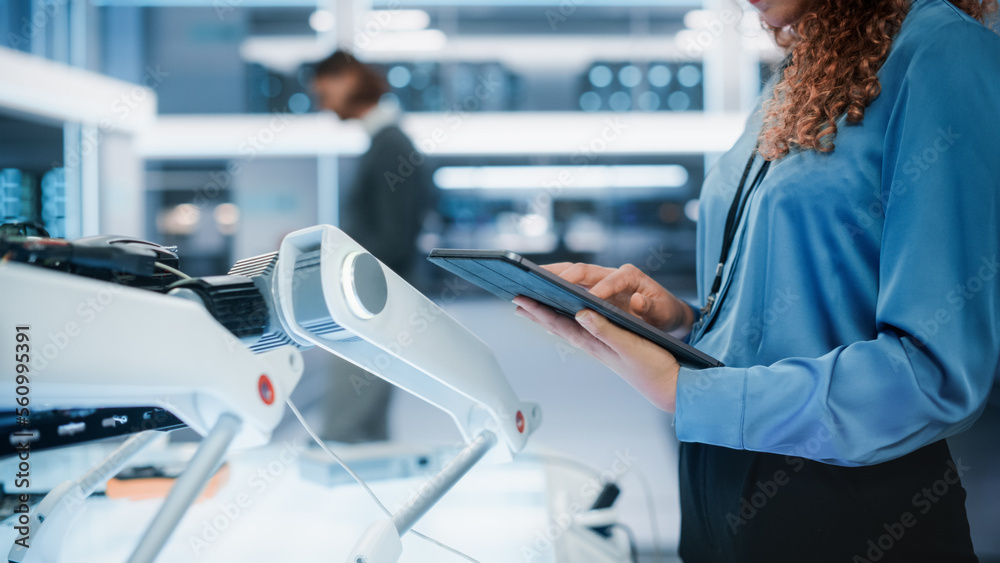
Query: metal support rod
{"x": 432, "y": 491}
{"x": 116, "y": 460}
{"x": 203, "y": 465}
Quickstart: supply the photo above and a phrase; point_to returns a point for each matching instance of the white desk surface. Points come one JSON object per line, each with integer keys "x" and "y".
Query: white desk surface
{"x": 494, "y": 514}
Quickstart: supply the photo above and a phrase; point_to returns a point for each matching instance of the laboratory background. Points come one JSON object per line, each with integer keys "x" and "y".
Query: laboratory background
{"x": 578, "y": 130}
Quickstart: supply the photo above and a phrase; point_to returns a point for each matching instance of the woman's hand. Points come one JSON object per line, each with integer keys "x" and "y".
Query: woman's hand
{"x": 629, "y": 289}
{"x": 651, "y": 370}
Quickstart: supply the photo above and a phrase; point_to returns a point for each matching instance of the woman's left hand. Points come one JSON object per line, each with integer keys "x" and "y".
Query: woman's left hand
{"x": 651, "y": 370}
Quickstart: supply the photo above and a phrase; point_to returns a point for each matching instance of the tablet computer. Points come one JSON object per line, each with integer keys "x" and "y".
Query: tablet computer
{"x": 507, "y": 275}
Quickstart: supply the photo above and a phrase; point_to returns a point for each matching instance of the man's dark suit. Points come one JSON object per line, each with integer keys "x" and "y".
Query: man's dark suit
{"x": 387, "y": 202}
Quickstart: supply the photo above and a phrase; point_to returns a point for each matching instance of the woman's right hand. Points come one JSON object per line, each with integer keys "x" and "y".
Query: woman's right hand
{"x": 631, "y": 290}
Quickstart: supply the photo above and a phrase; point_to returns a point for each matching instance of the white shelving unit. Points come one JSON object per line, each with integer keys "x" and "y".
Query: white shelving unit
{"x": 100, "y": 116}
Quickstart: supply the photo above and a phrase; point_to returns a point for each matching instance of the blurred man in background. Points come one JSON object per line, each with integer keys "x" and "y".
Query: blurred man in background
{"x": 384, "y": 208}
{"x": 392, "y": 190}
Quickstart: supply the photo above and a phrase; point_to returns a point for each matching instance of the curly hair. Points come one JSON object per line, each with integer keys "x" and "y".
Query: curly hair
{"x": 836, "y": 51}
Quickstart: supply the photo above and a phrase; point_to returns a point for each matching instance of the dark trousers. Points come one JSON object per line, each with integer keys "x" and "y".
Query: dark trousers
{"x": 740, "y": 506}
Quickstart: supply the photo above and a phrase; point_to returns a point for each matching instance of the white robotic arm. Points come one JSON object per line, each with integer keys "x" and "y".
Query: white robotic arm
{"x": 323, "y": 289}
{"x": 329, "y": 292}
{"x": 333, "y": 294}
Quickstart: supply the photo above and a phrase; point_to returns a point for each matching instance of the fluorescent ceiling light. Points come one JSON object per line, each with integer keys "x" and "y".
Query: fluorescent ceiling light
{"x": 283, "y": 53}
{"x": 404, "y": 41}
{"x": 560, "y": 177}
{"x": 399, "y": 20}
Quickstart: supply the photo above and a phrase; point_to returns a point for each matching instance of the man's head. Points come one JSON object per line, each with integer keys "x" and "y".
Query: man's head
{"x": 347, "y": 86}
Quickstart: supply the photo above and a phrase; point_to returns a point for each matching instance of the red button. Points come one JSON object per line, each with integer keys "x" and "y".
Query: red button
{"x": 520, "y": 422}
{"x": 266, "y": 390}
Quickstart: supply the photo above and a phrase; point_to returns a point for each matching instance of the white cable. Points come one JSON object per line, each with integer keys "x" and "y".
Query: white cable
{"x": 172, "y": 270}
{"x": 336, "y": 457}
{"x": 443, "y": 546}
{"x": 364, "y": 485}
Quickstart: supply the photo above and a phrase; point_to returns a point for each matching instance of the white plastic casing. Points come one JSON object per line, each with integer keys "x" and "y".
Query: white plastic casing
{"x": 411, "y": 342}
{"x": 98, "y": 344}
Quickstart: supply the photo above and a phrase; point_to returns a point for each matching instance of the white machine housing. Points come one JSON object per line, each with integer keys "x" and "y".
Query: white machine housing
{"x": 99, "y": 344}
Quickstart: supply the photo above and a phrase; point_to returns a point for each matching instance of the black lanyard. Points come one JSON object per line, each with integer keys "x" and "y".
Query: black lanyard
{"x": 736, "y": 213}
{"x": 732, "y": 221}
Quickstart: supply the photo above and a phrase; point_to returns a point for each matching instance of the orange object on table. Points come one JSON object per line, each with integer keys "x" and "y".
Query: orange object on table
{"x": 158, "y": 487}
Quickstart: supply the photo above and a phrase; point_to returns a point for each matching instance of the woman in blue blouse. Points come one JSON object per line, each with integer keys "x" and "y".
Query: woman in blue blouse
{"x": 857, "y": 305}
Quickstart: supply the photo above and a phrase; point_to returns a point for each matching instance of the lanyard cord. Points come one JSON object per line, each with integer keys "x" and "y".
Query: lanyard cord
{"x": 736, "y": 212}
{"x": 732, "y": 221}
